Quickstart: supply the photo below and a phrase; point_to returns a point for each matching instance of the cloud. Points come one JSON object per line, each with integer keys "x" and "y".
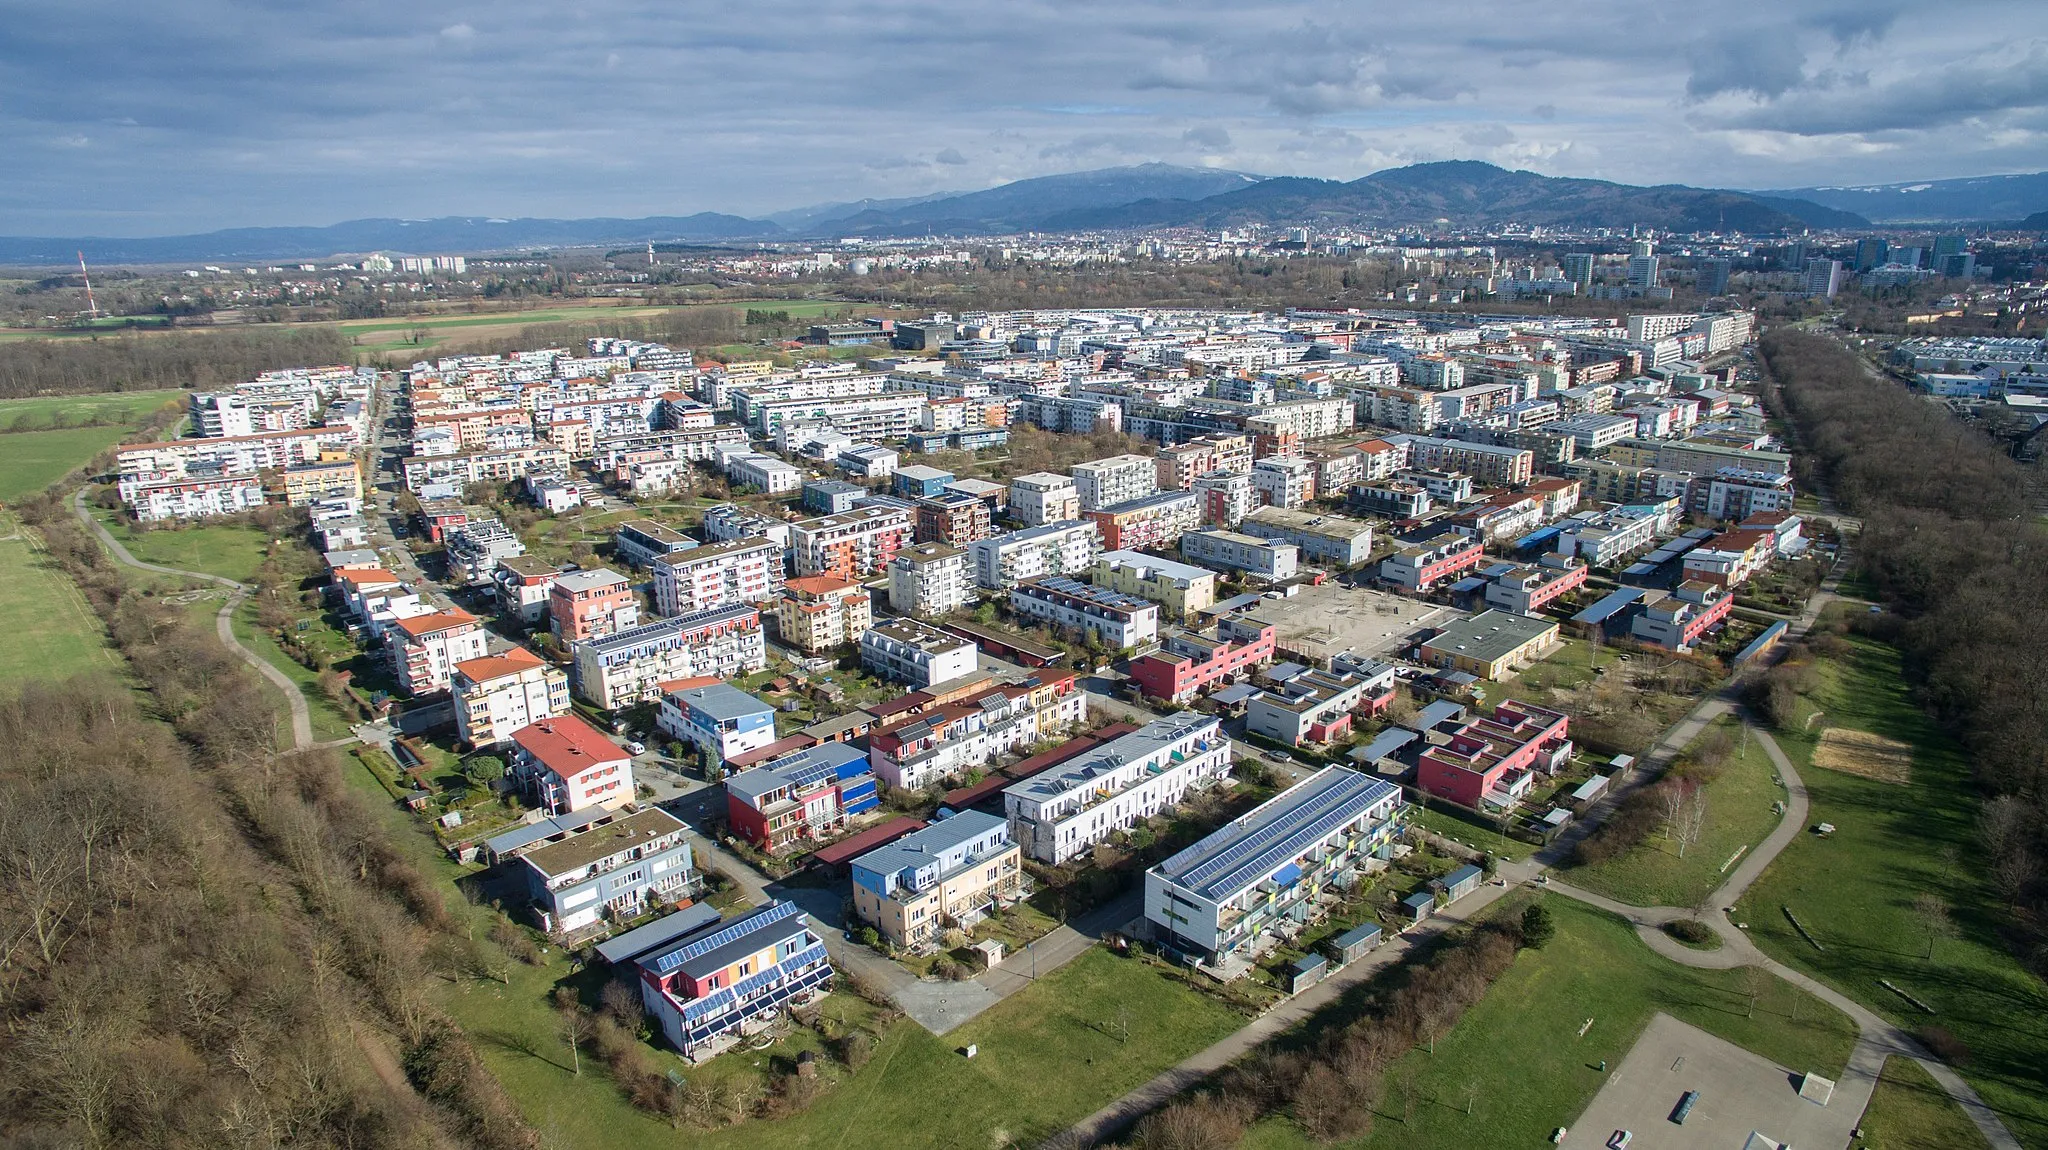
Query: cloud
{"x": 458, "y": 33}
{"x": 1212, "y": 137}
{"x": 1921, "y": 101}
{"x": 950, "y": 156}
{"x": 1742, "y": 61}
{"x": 1487, "y": 135}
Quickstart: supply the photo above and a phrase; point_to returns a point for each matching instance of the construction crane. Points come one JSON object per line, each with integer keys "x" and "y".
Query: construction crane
{"x": 92, "y": 307}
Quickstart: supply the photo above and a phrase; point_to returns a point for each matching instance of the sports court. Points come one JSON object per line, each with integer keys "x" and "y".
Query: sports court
{"x": 1739, "y": 1094}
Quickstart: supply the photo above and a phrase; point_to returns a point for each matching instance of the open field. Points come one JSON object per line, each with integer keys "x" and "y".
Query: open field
{"x": 1739, "y": 815}
{"x": 1521, "y": 1047}
{"x": 450, "y": 331}
{"x": 32, "y": 460}
{"x": 328, "y": 722}
{"x": 51, "y": 633}
{"x": 1855, "y": 890}
{"x": 1864, "y": 754}
{"x": 127, "y": 407}
{"x": 1910, "y": 1111}
{"x": 232, "y": 550}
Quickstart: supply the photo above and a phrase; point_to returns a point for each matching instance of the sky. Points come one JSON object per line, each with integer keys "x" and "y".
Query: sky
{"x": 126, "y": 119}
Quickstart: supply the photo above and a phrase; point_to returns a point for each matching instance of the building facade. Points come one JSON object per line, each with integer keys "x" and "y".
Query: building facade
{"x": 629, "y": 667}
{"x": 948, "y": 876}
{"x": 498, "y": 694}
{"x": 1064, "y": 812}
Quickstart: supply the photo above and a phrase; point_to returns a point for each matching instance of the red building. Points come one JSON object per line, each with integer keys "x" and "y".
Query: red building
{"x": 1421, "y": 566}
{"x": 1494, "y": 761}
{"x": 1190, "y": 662}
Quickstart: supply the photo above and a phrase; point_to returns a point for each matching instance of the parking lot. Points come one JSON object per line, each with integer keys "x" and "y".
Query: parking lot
{"x": 1318, "y": 622}
{"x": 1739, "y": 1093}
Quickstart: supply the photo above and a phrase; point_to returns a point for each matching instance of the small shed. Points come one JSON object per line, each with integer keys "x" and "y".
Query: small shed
{"x": 1460, "y": 882}
{"x": 1355, "y": 943}
{"x": 991, "y": 952}
{"x": 1555, "y": 819}
{"x": 1419, "y": 905}
{"x": 1305, "y": 972}
{"x": 1437, "y": 713}
{"x": 1589, "y": 791}
{"x": 1622, "y": 764}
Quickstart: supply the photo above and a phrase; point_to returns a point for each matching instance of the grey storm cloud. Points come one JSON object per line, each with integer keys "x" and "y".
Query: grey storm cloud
{"x": 121, "y": 118}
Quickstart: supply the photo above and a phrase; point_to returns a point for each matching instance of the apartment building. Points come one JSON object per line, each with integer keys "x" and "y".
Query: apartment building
{"x": 1189, "y": 662}
{"x": 591, "y": 604}
{"x": 717, "y": 575}
{"x": 819, "y": 612}
{"x": 629, "y": 667}
{"x": 1493, "y": 644}
{"x": 1064, "y": 548}
{"x": 1312, "y": 706}
{"x": 1729, "y": 559}
{"x": 198, "y": 496}
{"x": 1117, "y": 479}
{"x": 424, "y": 649}
{"x": 954, "y": 518}
{"x": 1526, "y": 589}
{"x": 1180, "y": 589}
{"x": 801, "y": 797}
{"x": 329, "y": 479}
{"x": 1337, "y": 540}
{"x": 498, "y": 694}
{"x": 1391, "y": 499}
{"x": 1177, "y": 467}
{"x": 948, "y": 876}
{"x": 1490, "y": 465}
{"x": 1151, "y": 521}
{"x": 1420, "y": 567}
{"x": 639, "y": 542}
{"x": 1062, "y": 813}
{"x": 1226, "y": 497}
{"x": 565, "y": 764}
{"x": 1041, "y": 497}
{"x": 1734, "y": 493}
{"x": 852, "y": 546}
{"x": 1232, "y": 551}
{"x": 616, "y": 869}
{"x": 1493, "y": 761}
{"x": 1223, "y": 899}
{"x": 762, "y": 472}
{"x": 476, "y": 546}
{"x": 1284, "y": 480}
{"x": 1678, "y": 621}
{"x": 907, "y": 651}
{"x": 947, "y": 739}
{"x": 1116, "y": 620}
{"x": 501, "y": 466}
{"x": 888, "y": 415}
{"x": 930, "y": 579}
{"x": 1604, "y": 538}
{"x": 522, "y": 584}
{"x": 709, "y": 988}
{"x": 919, "y": 482}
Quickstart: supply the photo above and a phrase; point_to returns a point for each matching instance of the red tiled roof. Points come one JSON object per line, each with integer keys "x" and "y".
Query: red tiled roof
{"x": 422, "y": 625}
{"x": 668, "y": 685}
{"x": 852, "y": 847}
{"x": 568, "y": 746}
{"x": 498, "y": 666}
{"x": 360, "y": 575}
{"x": 774, "y": 750}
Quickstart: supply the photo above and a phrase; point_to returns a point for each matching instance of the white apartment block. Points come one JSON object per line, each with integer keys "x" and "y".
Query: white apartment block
{"x": 424, "y": 649}
{"x": 1118, "y": 479}
{"x": 907, "y": 651}
{"x": 629, "y": 667}
{"x": 195, "y": 497}
{"x": 918, "y": 750}
{"x": 1284, "y": 481}
{"x": 1065, "y": 548}
{"x": 498, "y": 694}
{"x": 885, "y": 415}
{"x": 1117, "y": 620}
{"x": 1063, "y": 813}
{"x": 717, "y": 575}
{"x": 764, "y": 472}
{"x": 930, "y": 579}
{"x": 1230, "y": 551}
{"x": 1042, "y": 497}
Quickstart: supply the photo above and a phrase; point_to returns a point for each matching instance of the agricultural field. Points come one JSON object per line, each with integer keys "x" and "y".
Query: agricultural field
{"x": 1862, "y": 892}
{"x": 1517, "y": 1066}
{"x": 52, "y": 633}
{"x": 123, "y": 407}
{"x": 32, "y": 460}
{"x": 446, "y": 332}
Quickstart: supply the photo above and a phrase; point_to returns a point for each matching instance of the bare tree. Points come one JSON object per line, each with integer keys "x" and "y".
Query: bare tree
{"x": 1933, "y": 914}
{"x": 1692, "y": 819}
{"x": 1755, "y": 982}
{"x": 1671, "y": 798}
{"x": 2013, "y": 872}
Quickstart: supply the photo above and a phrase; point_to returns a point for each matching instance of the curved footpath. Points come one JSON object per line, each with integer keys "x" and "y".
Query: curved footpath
{"x": 223, "y": 623}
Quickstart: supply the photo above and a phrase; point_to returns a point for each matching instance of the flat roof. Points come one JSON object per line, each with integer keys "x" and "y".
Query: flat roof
{"x": 583, "y": 848}
{"x": 853, "y": 846}
{"x": 1255, "y": 845}
{"x": 722, "y": 701}
{"x": 921, "y": 846}
{"x": 1490, "y": 635}
{"x": 1610, "y": 605}
{"x": 641, "y": 939}
{"x": 545, "y": 829}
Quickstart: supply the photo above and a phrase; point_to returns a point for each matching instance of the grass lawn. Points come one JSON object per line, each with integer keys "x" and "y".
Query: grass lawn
{"x": 1854, "y": 891}
{"x": 1520, "y": 1045}
{"x": 32, "y": 460}
{"x": 1478, "y": 836}
{"x": 232, "y": 550}
{"x": 51, "y": 633}
{"x": 1910, "y": 1111}
{"x": 327, "y": 721}
{"x": 123, "y": 407}
{"x": 1739, "y": 815}
{"x": 395, "y": 334}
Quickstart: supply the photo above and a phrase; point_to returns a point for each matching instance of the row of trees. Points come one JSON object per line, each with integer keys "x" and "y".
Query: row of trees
{"x": 202, "y": 939}
{"x": 196, "y": 360}
{"x": 1953, "y": 541}
{"x": 1676, "y": 804}
{"x": 1332, "y": 1083}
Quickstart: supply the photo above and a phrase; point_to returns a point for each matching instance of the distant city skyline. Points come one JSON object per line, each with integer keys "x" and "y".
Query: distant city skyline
{"x": 126, "y": 121}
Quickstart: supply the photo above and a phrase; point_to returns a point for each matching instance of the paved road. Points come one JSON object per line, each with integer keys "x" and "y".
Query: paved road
{"x": 223, "y": 623}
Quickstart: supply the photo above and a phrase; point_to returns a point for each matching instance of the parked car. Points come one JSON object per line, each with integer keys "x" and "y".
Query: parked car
{"x": 636, "y": 748}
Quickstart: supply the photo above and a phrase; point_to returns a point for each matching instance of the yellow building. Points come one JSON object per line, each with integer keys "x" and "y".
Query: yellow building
{"x": 820, "y": 612}
{"x": 307, "y": 482}
{"x": 948, "y": 876}
{"x": 1492, "y": 644}
{"x": 1180, "y": 589}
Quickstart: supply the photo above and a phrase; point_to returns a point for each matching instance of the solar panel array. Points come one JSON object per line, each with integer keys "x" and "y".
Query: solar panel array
{"x": 1267, "y": 846}
{"x": 718, "y": 938}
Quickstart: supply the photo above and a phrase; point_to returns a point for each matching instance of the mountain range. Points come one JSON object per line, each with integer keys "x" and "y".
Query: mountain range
{"x": 1976, "y": 198}
{"x": 1454, "y": 193}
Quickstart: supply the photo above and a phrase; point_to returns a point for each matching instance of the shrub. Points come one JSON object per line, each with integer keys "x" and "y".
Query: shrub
{"x": 1943, "y": 1044}
{"x": 1690, "y": 930}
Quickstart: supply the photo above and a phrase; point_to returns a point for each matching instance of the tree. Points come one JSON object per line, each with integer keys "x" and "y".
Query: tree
{"x": 1755, "y": 981}
{"x": 1671, "y": 796}
{"x": 575, "y": 1026}
{"x": 483, "y": 770}
{"x": 1692, "y": 819}
{"x": 1933, "y": 914}
{"x": 1537, "y": 927}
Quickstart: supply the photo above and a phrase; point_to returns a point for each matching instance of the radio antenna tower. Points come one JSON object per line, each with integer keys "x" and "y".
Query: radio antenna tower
{"x": 92, "y": 307}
